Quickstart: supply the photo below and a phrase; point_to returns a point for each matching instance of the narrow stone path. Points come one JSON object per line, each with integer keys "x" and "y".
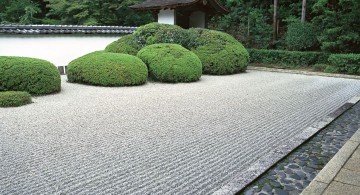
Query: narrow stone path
{"x": 294, "y": 173}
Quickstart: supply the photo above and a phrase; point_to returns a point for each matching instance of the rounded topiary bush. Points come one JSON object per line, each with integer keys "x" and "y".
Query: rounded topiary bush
{"x": 32, "y": 75}
{"x": 107, "y": 69}
{"x": 14, "y": 98}
{"x": 158, "y": 33}
{"x": 219, "y": 52}
{"x": 171, "y": 63}
{"x": 126, "y": 44}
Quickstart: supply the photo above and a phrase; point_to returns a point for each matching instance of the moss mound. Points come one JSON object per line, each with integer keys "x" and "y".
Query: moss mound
{"x": 32, "y": 75}
{"x": 171, "y": 63}
{"x": 14, "y": 98}
{"x": 126, "y": 44}
{"x": 219, "y": 52}
{"x": 107, "y": 69}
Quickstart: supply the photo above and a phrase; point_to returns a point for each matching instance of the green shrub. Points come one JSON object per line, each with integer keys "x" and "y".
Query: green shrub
{"x": 319, "y": 67}
{"x": 288, "y": 58}
{"x": 219, "y": 52}
{"x": 126, "y": 44}
{"x": 107, "y": 69}
{"x": 331, "y": 69}
{"x": 32, "y": 75}
{"x": 346, "y": 63}
{"x": 14, "y": 98}
{"x": 151, "y": 33}
{"x": 171, "y": 63}
{"x": 301, "y": 36}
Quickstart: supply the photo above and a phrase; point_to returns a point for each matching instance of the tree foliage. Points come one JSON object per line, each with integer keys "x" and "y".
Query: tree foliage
{"x": 339, "y": 20}
{"x": 75, "y": 12}
{"x": 250, "y": 21}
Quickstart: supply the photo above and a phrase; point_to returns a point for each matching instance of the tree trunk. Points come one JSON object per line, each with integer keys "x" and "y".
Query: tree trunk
{"x": 275, "y": 20}
{"x": 303, "y": 11}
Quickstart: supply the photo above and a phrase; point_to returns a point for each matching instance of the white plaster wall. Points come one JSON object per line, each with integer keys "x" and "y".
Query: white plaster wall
{"x": 197, "y": 19}
{"x": 166, "y": 16}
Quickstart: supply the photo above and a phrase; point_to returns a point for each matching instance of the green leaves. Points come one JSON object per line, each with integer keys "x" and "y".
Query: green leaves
{"x": 33, "y": 75}
{"x": 301, "y": 36}
{"x": 339, "y": 23}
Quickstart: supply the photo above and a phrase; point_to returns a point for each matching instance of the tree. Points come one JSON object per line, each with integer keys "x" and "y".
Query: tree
{"x": 275, "y": 20}
{"x": 303, "y": 11}
{"x": 338, "y": 21}
{"x": 18, "y": 11}
{"x": 96, "y": 12}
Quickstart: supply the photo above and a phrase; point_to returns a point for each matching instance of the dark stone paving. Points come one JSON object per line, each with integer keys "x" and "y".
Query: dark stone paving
{"x": 294, "y": 173}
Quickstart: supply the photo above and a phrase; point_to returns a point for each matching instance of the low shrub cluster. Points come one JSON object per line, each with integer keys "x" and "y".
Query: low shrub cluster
{"x": 171, "y": 63}
{"x": 107, "y": 69}
{"x": 219, "y": 52}
{"x": 32, "y": 75}
{"x": 344, "y": 63}
{"x": 287, "y": 58}
{"x": 14, "y": 98}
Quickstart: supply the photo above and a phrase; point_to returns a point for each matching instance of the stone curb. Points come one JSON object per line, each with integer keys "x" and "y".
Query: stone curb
{"x": 303, "y": 72}
{"x": 244, "y": 178}
{"x": 333, "y": 167}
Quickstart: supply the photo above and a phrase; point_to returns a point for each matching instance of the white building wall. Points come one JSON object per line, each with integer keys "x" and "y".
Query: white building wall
{"x": 197, "y": 19}
{"x": 166, "y": 16}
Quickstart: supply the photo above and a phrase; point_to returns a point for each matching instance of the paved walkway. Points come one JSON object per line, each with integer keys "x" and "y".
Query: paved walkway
{"x": 191, "y": 138}
{"x": 342, "y": 173}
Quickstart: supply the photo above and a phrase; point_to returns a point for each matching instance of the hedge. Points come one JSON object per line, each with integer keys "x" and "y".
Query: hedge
{"x": 344, "y": 63}
{"x": 126, "y": 44}
{"x": 287, "y": 58}
{"x": 34, "y": 76}
{"x": 14, "y": 98}
{"x": 171, "y": 63}
{"x": 107, "y": 69}
{"x": 219, "y": 52}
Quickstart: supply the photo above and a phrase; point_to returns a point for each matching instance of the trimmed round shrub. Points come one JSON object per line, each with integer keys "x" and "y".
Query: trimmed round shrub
{"x": 107, "y": 69}
{"x": 158, "y": 33}
{"x": 171, "y": 63}
{"x": 126, "y": 44}
{"x": 32, "y": 75}
{"x": 220, "y": 53}
{"x": 14, "y": 98}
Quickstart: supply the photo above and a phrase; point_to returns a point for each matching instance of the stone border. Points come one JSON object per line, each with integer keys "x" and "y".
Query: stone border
{"x": 303, "y": 72}
{"x": 333, "y": 167}
{"x": 247, "y": 176}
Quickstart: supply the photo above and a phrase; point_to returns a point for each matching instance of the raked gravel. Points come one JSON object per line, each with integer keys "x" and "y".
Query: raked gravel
{"x": 158, "y": 138}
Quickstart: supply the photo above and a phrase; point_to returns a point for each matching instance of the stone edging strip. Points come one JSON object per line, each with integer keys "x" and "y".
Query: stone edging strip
{"x": 303, "y": 72}
{"x": 332, "y": 168}
{"x": 258, "y": 168}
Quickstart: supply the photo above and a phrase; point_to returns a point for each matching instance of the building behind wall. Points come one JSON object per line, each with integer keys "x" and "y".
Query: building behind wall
{"x": 185, "y": 13}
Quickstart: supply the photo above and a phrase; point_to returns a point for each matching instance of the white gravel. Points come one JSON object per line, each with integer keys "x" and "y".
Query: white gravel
{"x": 158, "y": 138}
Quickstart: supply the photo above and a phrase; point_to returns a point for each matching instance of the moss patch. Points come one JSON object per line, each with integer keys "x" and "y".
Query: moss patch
{"x": 14, "y": 98}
